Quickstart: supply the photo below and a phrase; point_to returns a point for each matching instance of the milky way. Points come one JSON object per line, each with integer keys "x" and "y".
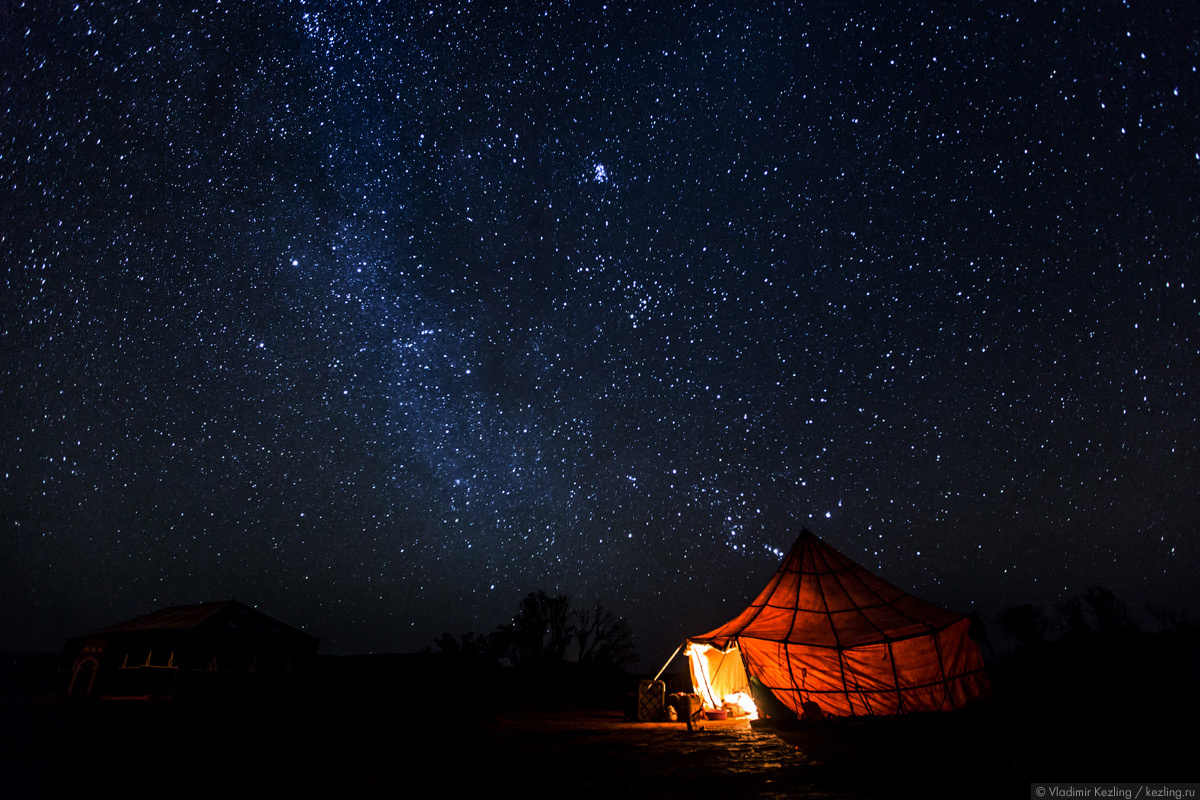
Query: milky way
{"x": 380, "y": 318}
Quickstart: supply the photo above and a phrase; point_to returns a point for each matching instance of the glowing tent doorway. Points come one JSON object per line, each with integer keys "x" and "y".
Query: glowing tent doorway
{"x": 719, "y": 677}
{"x": 827, "y": 631}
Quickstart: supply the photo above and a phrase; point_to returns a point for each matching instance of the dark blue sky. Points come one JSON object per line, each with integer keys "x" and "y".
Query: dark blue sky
{"x": 381, "y": 318}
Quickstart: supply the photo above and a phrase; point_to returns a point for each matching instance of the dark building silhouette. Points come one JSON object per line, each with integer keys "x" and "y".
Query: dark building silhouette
{"x": 224, "y": 648}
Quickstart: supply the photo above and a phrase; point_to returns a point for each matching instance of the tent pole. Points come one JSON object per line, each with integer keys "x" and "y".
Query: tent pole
{"x": 669, "y": 660}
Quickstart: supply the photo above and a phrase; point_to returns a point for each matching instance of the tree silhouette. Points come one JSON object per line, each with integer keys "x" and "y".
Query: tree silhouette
{"x": 603, "y": 637}
{"x": 1025, "y": 623}
{"x": 1074, "y": 622}
{"x": 1110, "y": 614}
{"x": 473, "y": 647}
{"x": 540, "y": 632}
{"x": 1097, "y": 610}
{"x": 1171, "y": 619}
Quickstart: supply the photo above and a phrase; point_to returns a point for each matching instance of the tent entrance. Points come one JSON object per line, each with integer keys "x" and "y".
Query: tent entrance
{"x": 719, "y": 677}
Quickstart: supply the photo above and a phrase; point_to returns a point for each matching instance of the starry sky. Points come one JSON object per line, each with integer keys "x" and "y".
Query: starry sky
{"x": 380, "y": 316}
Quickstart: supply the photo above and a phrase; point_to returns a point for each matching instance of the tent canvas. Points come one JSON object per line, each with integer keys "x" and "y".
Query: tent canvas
{"x": 826, "y": 630}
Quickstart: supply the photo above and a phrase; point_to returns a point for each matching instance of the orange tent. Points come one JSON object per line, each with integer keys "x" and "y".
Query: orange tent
{"x": 827, "y": 631}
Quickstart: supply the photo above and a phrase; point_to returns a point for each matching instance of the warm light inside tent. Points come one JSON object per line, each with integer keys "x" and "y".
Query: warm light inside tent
{"x": 719, "y": 677}
{"x": 743, "y": 701}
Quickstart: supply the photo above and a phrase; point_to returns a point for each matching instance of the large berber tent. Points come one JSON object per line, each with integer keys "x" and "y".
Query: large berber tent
{"x": 827, "y": 631}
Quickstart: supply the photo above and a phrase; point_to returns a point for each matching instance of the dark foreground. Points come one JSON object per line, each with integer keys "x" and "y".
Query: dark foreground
{"x": 163, "y": 750}
{"x": 1124, "y": 713}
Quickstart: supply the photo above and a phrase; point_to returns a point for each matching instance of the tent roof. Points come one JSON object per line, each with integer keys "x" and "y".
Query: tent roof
{"x": 225, "y": 615}
{"x": 820, "y": 598}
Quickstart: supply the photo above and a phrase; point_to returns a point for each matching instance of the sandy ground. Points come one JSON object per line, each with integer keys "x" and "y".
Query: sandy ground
{"x": 1111, "y": 713}
{"x": 156, "y": 749}
{"x": 136, "y": 750}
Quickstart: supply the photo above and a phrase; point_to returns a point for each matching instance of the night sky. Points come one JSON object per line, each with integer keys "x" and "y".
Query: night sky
{"x": 381, "y": 316}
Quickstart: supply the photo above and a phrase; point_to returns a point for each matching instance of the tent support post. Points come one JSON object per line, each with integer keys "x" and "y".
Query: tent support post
{"x": 669, "y": 660}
